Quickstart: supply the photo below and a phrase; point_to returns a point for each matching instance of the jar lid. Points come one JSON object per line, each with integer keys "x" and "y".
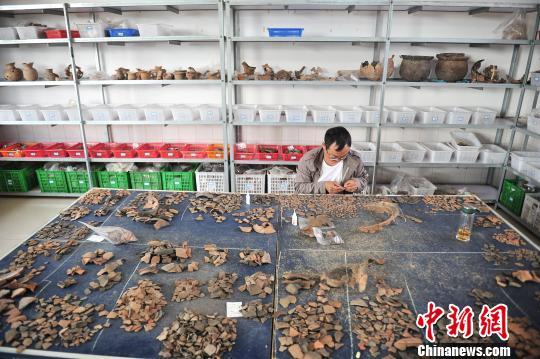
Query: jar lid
{"x": 469, "y": 210}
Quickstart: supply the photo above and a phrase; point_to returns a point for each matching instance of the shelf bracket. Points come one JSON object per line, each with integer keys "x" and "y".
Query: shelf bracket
{"x": 163, "y": 85}
{"x": 477, "y": 88}
{"x": 49, "y": 86}
{"x": 416, "y": 87}
{"x": 418, "y": 44}
{"x": 172, "y": 9}
{"x": 11, "y": 45}
{"x": 57, "y": 44}
{"x": 354, "y": 86}
{"x": 479, "y": 10}
{"x": 285, "y": 7}
{"x": 116, "y": 43}
{"x": 53, "y": 12}
{"x": 112, "y": 10}
{"x": 175, "y": 42}
{"x": 6, "y": 14}
{"x": 350, "y": 8}
{"x": 479, "y": 45}
{"x": 414, "y": 9}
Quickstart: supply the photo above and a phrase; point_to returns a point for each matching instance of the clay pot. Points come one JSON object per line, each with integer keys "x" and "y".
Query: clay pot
{"x": 50, "y": 75}
{"x": 157, "y": 73}
{"x": 12, "y": 73}
{"x": 168, "y": 76}
{"x": 29, "y": 72}
{"x": 374, "y": 73}
{"x": 415, "y": 68}
{"x": 145, "y": 75}
{"x": 180, "y": 75}
{"x": 451, "y": 67}
{"x": 192, "y": 74}
{"x": 132, "y": 75}
{"x": 69, "y": 75}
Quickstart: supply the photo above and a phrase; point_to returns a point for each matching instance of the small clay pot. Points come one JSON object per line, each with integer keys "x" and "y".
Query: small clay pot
{"x": 145, "y": 75}
{"x": 132, "y": 75}
{"x": 180, "y": 75}
{"x": 168, "y": 76}
{"x": 69, "y": 75}
{"x": 12, "y": 73}
{"x": 50, "y": 75}
{"x": 415, "y": 68}
{"x": 29, "y": 72}
{"x": 451, "y": 67}
{"x": 192, "y": 74}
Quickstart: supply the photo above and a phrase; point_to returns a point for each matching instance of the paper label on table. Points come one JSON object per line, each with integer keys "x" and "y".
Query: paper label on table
{"x": 233, "y": 309}
{"x": 95, "y": 238}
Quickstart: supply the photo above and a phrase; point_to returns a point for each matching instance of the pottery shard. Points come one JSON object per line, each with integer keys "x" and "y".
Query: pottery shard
{"x": 264, "y": 228}
{"x": 286, "y": 301}
{"x": 148, "y": 270}
{"x": 160, "y": 223}
{"x": 291, "y": 288}
{"x": 296, "y": 351}
{"x": 26, "y": 301}
{"x": 246, "y": 229}
{"x": 18, "y": 292}
{"x": 405, "y": 343}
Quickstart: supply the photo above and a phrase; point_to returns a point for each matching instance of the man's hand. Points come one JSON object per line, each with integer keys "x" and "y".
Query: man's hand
{"x": 333, "y": 187}
{"x": 351, "y": 185}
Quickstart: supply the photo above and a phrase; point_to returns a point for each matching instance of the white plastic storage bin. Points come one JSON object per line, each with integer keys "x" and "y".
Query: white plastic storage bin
{"x": 30, "y": 32}
{"x": 270, "y": 113}
{"x": 371, "y": 114}
{"x": 130, "y": 113}
{"x": 210, "y": 113}
{"x": 8, "y": 113}
{"x": 8, "y": 33}
{"x": 483, "y": 116}
{"x": 391, "y": 152}
{"x": 349, "y": 114}
{"x": 419, "y": 186}
{"x": 209, "y": 181}
{"x": 532, "y": 170}
{"x": 535, "y": 78}
{"x": 250, "y": 183}
{"x": 281, "y": 183}
{"x": 458, "y": 116}
{"x": 438, "y": 152}
{"x": 492, "y": 154}
{"x": 151, "y": 30}
{"x": 91, "y": 30}
{"x": 533, "y": 122}
{"x": 103, "y": 113}
{"x": 465, "y": 141}
{"x": 295, "y": 113}
{"x": 30, "y": 113}
{"x": 431, "y": 115}
{"x": 245, "y": 113}
{"x": 323, "y": 114}
{"x": 402, "y": 115}
{"x": 413, "y": 151}
{"x": 73, "y": 113}
{"x": 182, "y": 113}
{"x": 54, "y": 113}
{"x": 157, "y": 113}
{"x": 519, "y": 158}
{"x": 366, "y": 151}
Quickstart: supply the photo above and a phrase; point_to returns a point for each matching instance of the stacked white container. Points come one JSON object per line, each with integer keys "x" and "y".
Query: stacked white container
{"x": 54, "y": 113}
{"x": 130, "y": 113}
{"x": 467, "y": 146}
{"x": 483, "y": 116}
{"x": 323, "y": 114}
{"x": 210, "y": 113}
{"x": 371, "y": 114}
{"x": 182, "y": 113}
{"x": 349, "y": 114}
{"x": 458, "y": 116}
{"x": 438, "y": 152}
{"x": 431, "y": 115}
{"x": 366, "y": 151}
{"x": 8, "y": 113}
{"x": 270, "y": 113}
{"x": 413, "y": 151}
{"x": 391, "y": 152}
{"x": 295, "y": 113}
{"x": 245, "y": 113}
{"x": 402, "y": 115}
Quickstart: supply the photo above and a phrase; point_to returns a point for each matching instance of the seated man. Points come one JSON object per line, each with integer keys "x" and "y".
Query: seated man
{"x": 332, "y": 168}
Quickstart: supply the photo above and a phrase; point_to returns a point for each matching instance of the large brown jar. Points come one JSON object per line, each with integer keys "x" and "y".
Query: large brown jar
{"x": 451, "y": 67}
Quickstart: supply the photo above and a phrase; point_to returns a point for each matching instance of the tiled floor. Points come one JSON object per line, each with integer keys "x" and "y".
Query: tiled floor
{"x": 20, "y": 217}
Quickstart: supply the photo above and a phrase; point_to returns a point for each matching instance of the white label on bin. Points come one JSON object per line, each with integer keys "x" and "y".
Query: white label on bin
{"x": 122, "y": 154}
{"x": 293, "y": 157}
{"x": 211, "y": 186}
{"x": 10, "y": 182}
{"x": 233, "y": 309}
{"x": 51, "y": 181}
{"x": 434, "y": 118}
{"x": 78, "y": 153}
{"x": 147, "y": 153}
{"x": 99, "y": 154}
{"x": 284, "y": 186}
{"x": 250, "y": 187}
{"x": 113, "y": 182}
{"x": 170, "y": 154}
{"x": 268, "y": 157}
{"x": 56, "y": 154}
{"x": 177, "y": 183}
{"x": 81, "y": 182}
{"x": 146, "y": 183}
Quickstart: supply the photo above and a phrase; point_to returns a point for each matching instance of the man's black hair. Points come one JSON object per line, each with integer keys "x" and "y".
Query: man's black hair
{"x": 338, "y": 135}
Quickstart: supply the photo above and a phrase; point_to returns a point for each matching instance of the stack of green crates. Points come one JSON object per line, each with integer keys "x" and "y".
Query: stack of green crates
{"x": 108, "y": 179}
{"x": 179, "y": 181}
{"x": 17, "y": 177}
{"x": 52, "y": 181}
{"x": 512, "y": 196}
{"x": 78, "y": 180}
{"x": 146, "y": 180}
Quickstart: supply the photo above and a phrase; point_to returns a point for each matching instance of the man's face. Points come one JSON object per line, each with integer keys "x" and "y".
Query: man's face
{"x": 332, "y": 156}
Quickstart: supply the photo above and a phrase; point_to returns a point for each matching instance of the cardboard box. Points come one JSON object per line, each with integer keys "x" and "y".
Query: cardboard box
{"x": 531, "y": 210}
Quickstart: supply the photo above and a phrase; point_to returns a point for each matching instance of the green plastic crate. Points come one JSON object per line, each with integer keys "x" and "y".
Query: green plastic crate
{"x": 179, "y": 181}
{"x": 512, "y": 196}
{"x": 17, "y": 178}
{"x": 52, "y": 181}
{"x": 107, "y": 179}
{"x": 146, "y": 180}
{"x": 78, "y": 181}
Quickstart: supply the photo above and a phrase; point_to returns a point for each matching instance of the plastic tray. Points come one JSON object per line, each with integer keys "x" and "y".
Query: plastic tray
{"x": 492, "y": 154}
{"x": 292, "y": 156}
{"x": 243, "y": 151}
{"x": 52, "y": 181}
{"x": 438, "y": 152}
{"x": 512, "y": 196}
{"x": 182, "y": 113}
{"x": 60, "y": 34}
{"x": 78, "y": 181}
{"x": 215, "y": 151}
{"x": 179, "y": 181}
{"x": 431, "y": 115}
{"x": 56, "y": 150}
{"x": 151, "y": 30}
{"x": 250, "y": 183}
{"x": 30, "y": 32}
{"x": 467, "y": 154}
{"x": 122, "y": 32}
{"x": 245, "y": 113}
{"x": 35, "y": 150}
{"x": 483, "y": 116}
{"x": 12, "y": 150}
{"x": 54, "y": 113}
{"x": 366, "y": 151}
{"x": 419, "y": 186}
{"x": 458, "y": 116}
{"x": 103, "y": 113}
{"x": 171, "y": 150}
{"x": 533, "y": 123}
{"x": 146, "y": 180}
{"x": 8, "y": 33}
{"x": 73, "y": 114}
{"x": 285, "y": 31}
{"x": 75, "y": 151}
{"x": 129, "y": 113}
{"x": 157, "y": 114}
{"x": 100, "y": 150}
{"x": 295, "y": 113}
{"x": 264, "y": 156}
{"x": 209, "y": 181}
{"x": 195, "y": 151}
{"x": 323, "y": 114}
{"x": 532, "y": 169}
{"x": 371, "y": 114}
{"x": 465, "y": 141}
{"x": 8, "y": 113}
{"x": 413, "y": 151}
{"x": 17, "y": 177}
{"x": 91, "y": 30}
{"x": 107, "y": 179}
{"x": 518, "y": 159}
{"x": 402, "y": 115}
{"x": 148, "y": 150}
{"x": 391, "y": 152}
{"x": 30, "y": 113}
{"x": 349, "y": 114}
{"x": 270, "y": 113}
{"x": 123, "y": 150}
{"x": 210, "y": 113}
{"x": 281, "y": 184}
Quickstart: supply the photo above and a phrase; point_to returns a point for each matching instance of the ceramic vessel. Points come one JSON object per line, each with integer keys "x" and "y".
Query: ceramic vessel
{"x": 50, "y": 75}
{"x": 451, "y": 67}
{"x": 29, "y": 72}
{"x": 180, "y": 74}
{"x": 12, "y": 73}
{"x": 415, "y": 68}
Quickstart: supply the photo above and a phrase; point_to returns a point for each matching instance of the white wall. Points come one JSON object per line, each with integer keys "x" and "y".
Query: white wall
{"x": 331, "y": 57}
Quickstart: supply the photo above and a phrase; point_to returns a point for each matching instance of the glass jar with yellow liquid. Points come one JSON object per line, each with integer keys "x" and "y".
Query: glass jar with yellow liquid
{"x": 466, "y": 223}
